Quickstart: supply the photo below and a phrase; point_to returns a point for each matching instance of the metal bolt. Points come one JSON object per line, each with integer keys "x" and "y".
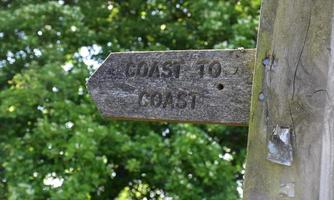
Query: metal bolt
{"x": 261, "y": 96}
{"x": 266, "y": 61}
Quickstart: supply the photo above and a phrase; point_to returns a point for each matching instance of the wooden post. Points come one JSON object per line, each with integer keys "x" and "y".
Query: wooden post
{"x": 293, "y": 91}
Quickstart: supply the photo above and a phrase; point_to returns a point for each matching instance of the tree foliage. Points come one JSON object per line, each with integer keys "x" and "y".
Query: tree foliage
{"x": 53, "y": 142}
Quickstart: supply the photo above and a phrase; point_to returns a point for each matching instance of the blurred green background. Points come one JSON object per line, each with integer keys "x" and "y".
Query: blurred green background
{"x": 54, "y": 143}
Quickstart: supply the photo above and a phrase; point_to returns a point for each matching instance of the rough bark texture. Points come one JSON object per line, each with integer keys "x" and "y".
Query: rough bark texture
{"x": 294, "y": 74}
{"x": 211, "y": 86}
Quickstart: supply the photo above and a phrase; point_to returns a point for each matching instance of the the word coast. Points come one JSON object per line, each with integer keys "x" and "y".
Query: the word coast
{"x": 206, "y": 86}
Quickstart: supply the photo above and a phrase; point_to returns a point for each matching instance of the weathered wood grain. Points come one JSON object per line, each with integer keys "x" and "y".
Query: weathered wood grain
{"x": 207, "y": 86}
{"x": 327, "y": 154}
{"x": 294, "y": 75}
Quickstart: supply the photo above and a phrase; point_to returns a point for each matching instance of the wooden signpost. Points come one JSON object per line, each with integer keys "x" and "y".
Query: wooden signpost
{"x": 211, "y": 86}
{"x": 294, "y": 71}
{"x": 291, "y": 120}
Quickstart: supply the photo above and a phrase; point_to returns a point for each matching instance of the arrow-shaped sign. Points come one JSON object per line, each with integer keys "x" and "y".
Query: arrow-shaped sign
{"x": 205, "y": 86}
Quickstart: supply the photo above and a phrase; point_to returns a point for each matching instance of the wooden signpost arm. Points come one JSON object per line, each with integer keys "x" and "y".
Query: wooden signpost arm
{"x": 291, "y": 135}
{"x": 203, "y": 86}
